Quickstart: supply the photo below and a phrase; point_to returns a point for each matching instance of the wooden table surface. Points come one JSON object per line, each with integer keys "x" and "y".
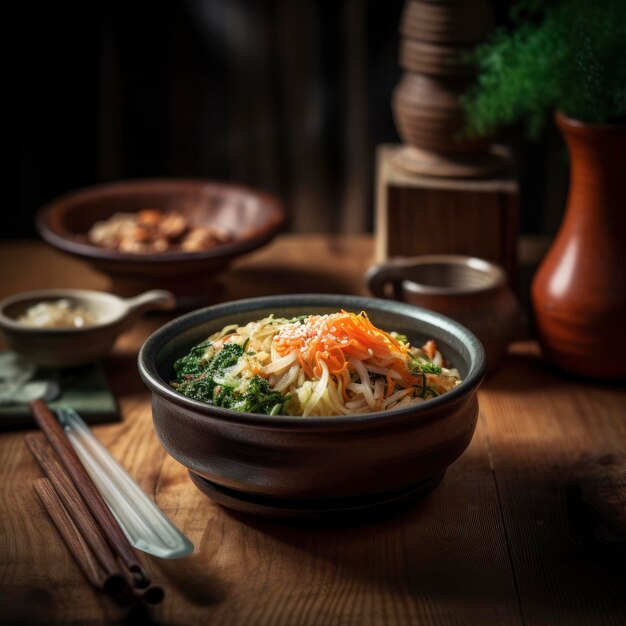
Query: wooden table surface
{"x": 499, "y": 542}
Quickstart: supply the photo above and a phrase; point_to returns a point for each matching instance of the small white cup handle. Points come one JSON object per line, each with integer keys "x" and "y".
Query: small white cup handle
{"x": 150, "y": 300}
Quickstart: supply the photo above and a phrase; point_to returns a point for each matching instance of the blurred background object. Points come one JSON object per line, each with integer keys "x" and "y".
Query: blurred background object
{"x": 291, "y": 97}
{"x": 442, "y": 191}
{"x": 40, "y": 326}
{"x": 422, "y": 214}
{"x": 437, "y": 40}
{"x": 570, "y": 57}
{"x": 471, "y": 291}
{"x": 209, "y": 225}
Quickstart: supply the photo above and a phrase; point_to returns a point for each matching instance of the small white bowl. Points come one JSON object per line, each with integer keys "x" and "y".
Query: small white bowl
{"x": 68, "y": 347}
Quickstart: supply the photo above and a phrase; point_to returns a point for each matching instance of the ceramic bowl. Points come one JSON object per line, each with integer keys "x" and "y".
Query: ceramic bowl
{"x": 252, "y": 217}
{"x": 69, "y": 347}
{"x": 281, "y": 466}
{"x": 472, "y": 291}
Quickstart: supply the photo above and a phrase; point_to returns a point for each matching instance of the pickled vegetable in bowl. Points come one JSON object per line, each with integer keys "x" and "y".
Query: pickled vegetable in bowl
{"x": 57, "y": 314}
{"x": 71, "y": 327}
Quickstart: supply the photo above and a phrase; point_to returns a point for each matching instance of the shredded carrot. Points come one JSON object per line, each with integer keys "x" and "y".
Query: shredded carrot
{"x": 430, "y": 348}
{"x": 336, "y": 338}
{"x": 390, "y": 386}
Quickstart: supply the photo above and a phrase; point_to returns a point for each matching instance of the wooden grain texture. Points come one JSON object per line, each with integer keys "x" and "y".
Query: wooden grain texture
{"x": 425, "y": 565}
{"x": 72, "y": 537}
{"x": 418, "y": 215}
{"x": 426, "y": 104}
{"x": 89, "y": 493}
{"x": 80, "y": 545}
{"x": 39, "y": 580}
{"x": 542, "y": 428}
{"x": 81, "y": 522}
{"x": 602, "y": 497}
{"x": 447, "y": 560}
{"x": 454, "y": 22}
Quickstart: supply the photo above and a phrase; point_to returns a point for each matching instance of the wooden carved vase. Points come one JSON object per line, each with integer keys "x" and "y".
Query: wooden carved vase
{"x": 579, "y": 291}
{"x": 426, "y": 104}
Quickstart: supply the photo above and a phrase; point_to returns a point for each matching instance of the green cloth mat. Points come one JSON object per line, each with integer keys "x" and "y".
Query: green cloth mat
{"x": 85, "y": 389}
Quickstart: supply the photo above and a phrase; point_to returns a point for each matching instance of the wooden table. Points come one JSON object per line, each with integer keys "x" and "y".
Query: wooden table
{"x": 497, "y": 543}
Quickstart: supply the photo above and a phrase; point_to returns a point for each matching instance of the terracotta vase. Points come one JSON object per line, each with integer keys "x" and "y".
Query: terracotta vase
{"x": 579, "y": 291}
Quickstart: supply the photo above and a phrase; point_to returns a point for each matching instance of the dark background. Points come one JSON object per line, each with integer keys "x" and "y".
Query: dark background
{"x": 289, "y": 96}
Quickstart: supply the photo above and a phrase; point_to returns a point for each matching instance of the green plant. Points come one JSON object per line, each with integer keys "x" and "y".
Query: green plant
{"x": 565, "y": 54}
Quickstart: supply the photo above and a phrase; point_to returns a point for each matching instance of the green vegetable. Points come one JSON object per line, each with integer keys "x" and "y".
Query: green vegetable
{"x": 195, "y": 362}
{"x": 201, "y": 372}
{"x": 563, "y": 54}
{"x": 429, "y": 368}
{"x": 401, "y": 338}
{"x": 202, "y": 375}
{"x": 420, "y": 365}
{"x": 299, "y": 318}
{"x": 259, "y": 398}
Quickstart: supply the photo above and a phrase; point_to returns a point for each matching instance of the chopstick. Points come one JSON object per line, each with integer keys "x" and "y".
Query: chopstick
{"x": 84, "y": 557}
{"x": 89, "y": 563}
{"x": 70, "y": 511}
{"x": 116, "y": 539}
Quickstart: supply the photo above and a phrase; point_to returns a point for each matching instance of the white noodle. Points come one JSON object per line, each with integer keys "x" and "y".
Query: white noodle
{"x": 328, "y": 395}
{"x": 336, "y": 400}
{"x": 287, "y": 379}
{"x": 281, "y": 364}
{"x": 357, "y": 404}
{"x": 379, "y": 389}
{"x": 394, "y": 397}
{"x": 383, "y": 371}
{"x": 365, "y": 381}
{"x": 319, "y": 390}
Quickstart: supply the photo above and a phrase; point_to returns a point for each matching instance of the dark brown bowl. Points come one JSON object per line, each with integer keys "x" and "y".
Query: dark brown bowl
{"x": 253, "y": 217}
{"x": 285, "y": 466}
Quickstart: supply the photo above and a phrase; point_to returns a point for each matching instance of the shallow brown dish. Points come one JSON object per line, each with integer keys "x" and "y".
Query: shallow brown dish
{"x": 281, "y": 466}
{"x": 251, "y": 216}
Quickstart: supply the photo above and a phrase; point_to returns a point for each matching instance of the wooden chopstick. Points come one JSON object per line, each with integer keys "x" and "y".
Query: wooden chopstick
{"x": 74, "y": 507}
{"x": 150, "y": 595}
{"x": 94, "y": 501}
{"x": 112, "y": 584}
{"x": 83, "y": 554}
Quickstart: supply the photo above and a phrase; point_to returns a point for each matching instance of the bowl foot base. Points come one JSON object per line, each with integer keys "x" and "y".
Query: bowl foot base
{"x": 276, "y": 508}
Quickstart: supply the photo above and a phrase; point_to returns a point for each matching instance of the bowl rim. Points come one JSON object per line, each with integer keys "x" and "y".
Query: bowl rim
{"x": 146, "y": 360}
{"x": 11, "y": 324}
{"x": 492, "y": 271}
{"x": 47, "y": 220}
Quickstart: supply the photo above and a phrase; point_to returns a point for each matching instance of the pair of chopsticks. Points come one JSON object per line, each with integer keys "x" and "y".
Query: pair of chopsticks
{"x": 83, "y": 518}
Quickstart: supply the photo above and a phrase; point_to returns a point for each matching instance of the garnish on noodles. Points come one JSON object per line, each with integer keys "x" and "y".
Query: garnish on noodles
{"x": 313, "y": 365}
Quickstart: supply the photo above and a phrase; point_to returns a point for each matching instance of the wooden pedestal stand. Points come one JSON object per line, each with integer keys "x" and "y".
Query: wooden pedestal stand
{"x": 419, "y": 214}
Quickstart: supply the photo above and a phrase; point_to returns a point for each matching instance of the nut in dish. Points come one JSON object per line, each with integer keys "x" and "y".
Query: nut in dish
{"x": 151, "y": 230}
